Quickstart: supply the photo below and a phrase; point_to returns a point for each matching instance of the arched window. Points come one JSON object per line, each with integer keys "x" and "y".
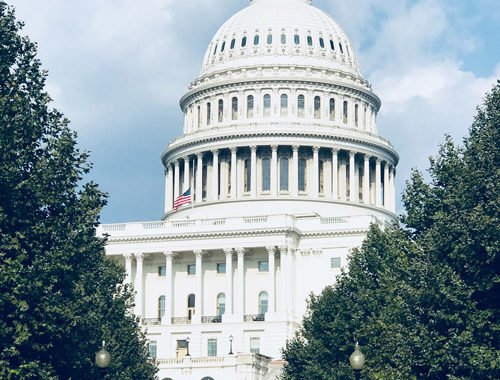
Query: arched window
{"x": 296, "y": 39}
{"x": 356, "y": 115}
{"x": 345, "y": 112}
{"x": 161, "y": 307}
{"x": 221, "y": 304}
{"x": 283, "y": 38}
{"x": 269, "y": 39}
{"x": 243, "y": 42}
{"x": 266, "y": 174}
{"x": 302, "y": 174}
{"x": 233, "y": 42}
{"x": 321, "y": 176}
{"x": 223, "y": 46}
{"x": 220, "y": 114}
{"x": 332, "y": 45}
{"x": 321, "y": 42}
{"x": 284, "y": 105}
{"x": 267, "y": 105}
{"x": 256, "y": 39}
{"x": 198, "y": 116}
{"x": 167, "y": 378}
{"x": 317, "y": 107}
{"x": 191, "y": 305}
{"x": 207, "y": 378}
{"x": 247, "y": 178}
{"x": 249, "y": 106}
{"x": 234, "y": 108}
{"x": 284, "y": 174}
{"x": 263, "y": 302}
{"x": 332, "y": 109}
{"x": 301, "y": 106}
{"x": 309, "y": 40}
{"x": 209, "y": 112}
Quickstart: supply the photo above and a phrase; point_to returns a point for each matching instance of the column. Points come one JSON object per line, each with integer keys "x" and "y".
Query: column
{"x": 253, "y": 170}
{"x": 169, "y": 277}
{"x": 335, "y": 173}
{"x": 199, "y": 286}
{"x": 169, "y": 191}
{"x": 274, "y": 170}
{"x": 315, "y": 175}
{"x": 215, "y": 171}
{"x": 290, "y": 292}
{"x": 138, "y": 284}
{"x": 128, "y": 267}
{"x": 272, "y": 280}
{"x": 393, "y": 188}
{"x": 294, "y": 178}
{"x": 229, "y": 281}
{"x": 387, "y": 191}
{"x": 199, "y": 179}
{"x": 233, "y": 173}
{"x": 176, "y": 179}
{"x": 283, "y": 278}
{"x": 241, "y": 283}
{"x": 366, "y": 180}
{"x": 353, "y": 197}
{"x": 186, "y": 174}
{"x": 378, "y": 182}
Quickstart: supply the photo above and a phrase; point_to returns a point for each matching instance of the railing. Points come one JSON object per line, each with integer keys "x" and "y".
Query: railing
{"x": 151, "y": 321}
{"x": 211, "y": 319}
{"x": 213, "y": 222}
{"x": 180, "y": 321}
{"x": 255, "y": 219}
{"x": 254, "y": 317}
{"x": 114, "y": 227}
{"x": 333, "y": 220}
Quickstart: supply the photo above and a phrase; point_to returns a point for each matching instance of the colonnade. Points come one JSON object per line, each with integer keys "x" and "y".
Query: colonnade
{"x": 279, "y": 172}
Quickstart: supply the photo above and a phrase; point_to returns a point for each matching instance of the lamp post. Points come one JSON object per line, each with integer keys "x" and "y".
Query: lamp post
{"x": 102, "y": 359}
{"x": 230, "y": 345}
{"x": 187, "y": 346}
{"x": 357, "y": 361}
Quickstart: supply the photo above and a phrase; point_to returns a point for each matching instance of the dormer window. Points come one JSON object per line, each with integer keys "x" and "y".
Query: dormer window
{"x": 233, "y": 42}
{"x": 321, "y": 42}
{"x": 296, "y": 39}
{"x": 256, "y": 40}
{"x": 223, "y": 46}
{"x": 269, "y": 39}
{"x": 332, "y": 45}
{"x": 309, "y": 41}
{"x": 243, "y": 42}
{"x": 283, "y": 38}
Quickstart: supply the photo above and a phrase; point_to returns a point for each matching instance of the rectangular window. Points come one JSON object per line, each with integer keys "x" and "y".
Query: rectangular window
{"x": 191, "y": 269}
{"x": 263, "y": 266}
{"x": 266, "y": 174}
{"x": 221, "y": 267}
{"x": 335, "y": 262}
{"x": 212, "y": 347}
{"x": 162, "y": 270}
{"x": 255, "y": 345}
{"x": 152, "y": 349}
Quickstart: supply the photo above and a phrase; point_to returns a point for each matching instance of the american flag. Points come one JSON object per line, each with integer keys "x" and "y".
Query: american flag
{"x": 183, "y": 199}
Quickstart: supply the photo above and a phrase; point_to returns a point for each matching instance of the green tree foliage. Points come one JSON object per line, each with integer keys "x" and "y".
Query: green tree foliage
{"x": 422, "y": 299}
{"x": 59, "y": 295}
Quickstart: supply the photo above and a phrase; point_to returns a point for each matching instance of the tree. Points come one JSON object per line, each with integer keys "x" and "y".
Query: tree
{"x": 421, "y": 298}
{"x": 59, "y": 295}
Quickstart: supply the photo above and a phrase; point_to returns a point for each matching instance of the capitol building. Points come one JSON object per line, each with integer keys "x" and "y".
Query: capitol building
{"x": 281, "y": 159}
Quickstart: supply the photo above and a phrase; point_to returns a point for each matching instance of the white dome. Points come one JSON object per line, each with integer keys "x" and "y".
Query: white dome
{"x": 280, "y": 32}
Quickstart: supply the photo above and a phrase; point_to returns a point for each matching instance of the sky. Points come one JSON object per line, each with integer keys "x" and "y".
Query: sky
{"x": 117, "y": 69}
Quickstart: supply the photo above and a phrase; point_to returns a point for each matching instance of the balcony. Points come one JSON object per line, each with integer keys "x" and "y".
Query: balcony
{"x": 211, "y": 319}
{"x": 151, "y": 321}
{"x": 254, "y": 317}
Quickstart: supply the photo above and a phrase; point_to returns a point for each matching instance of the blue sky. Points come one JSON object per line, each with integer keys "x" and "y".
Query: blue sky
{"x": 118, "y": 68}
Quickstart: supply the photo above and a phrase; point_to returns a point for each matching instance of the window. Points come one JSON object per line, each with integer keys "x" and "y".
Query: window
{"x": 283, "y": 173}
{"x": 263, "y": 302}
{"x": 211, "y": 348}
{"x": 301, "y": 106}
{"x": 335, "y": 262}
{"x": 284, "y": 105}
{"x": 332, "y": 45}
{"x": 208, "y": 378}
{"x": 256, "y": 40}
{"x": 209, "y": 111}
{"x": 321, "y": 176}
{"x": 191, "y": 306}
{"x": 296, "y": 39}
{"x": 263, "y": 266}
{"x": 266, "y": 174}
{"x": 162, "y": 270}
{"x": 152, "y": 348}
{"x": 198, "y": 114}
{"x": 161, "y": 307}
{"x": 309, "y": 41}
{"x": 267, "y": 105}
{"x": 215, "y": 49}
{"x": 249, "y": 106}
{"x": 221, "y": 304}
{"x": 221, "y": 110}
{"x": 344, "y": 115}
{"x": 317, "y": 107}
{"x": 243, "y": 42}
{"x": 341, "y": 49}
{"x": 269, "y": 39}
{"x": 283, "y": 38}
{"x": 332, "y": 109}
{"x": 247, "y": 176}
{"x": 191, "y": 269}
{"x": 233, "y": 42}
{"x": 322, "y": 42}
{"x": 234, "y": 108}
{"x": 302, "y": 174}
{"x": 255, "y": 345}
{"x": 223, "y": 46}
{"x": 204, "y": 181}
{"x": 364, "y": 117}
{"x": 221, "y": 267}
{"x": 356, "y": 115}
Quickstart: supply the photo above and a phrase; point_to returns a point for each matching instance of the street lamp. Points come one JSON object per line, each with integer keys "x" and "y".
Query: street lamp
{"x": 230, "y": 345}
{"x": 357, "y": 360}
{"x": 187, "y": 346}
{"x": 102, "y": 359}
